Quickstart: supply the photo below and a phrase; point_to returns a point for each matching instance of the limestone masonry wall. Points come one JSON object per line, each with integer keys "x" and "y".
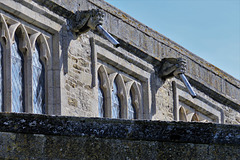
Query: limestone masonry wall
{"x": 76, "y": 62}
{"x": 81, "y": 73}
{"x": 214, "y": 86}
{"x": 81, "y": 96}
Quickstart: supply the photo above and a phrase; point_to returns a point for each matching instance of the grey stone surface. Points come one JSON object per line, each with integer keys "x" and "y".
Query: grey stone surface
{"x": 72, "y": 64}
{"x": 203, "y": 133}
{"x": 27, "y": 136}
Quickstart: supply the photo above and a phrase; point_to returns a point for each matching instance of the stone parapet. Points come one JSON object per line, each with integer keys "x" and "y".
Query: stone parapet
{"x": 181, "y": 132}
{"x": 28, "y": 136}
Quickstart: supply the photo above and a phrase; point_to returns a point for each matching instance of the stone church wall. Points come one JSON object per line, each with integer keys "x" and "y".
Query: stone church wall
{"x": 218, "y": 92}
{"x": 79, "y": 59}
{"x": 78, "y": 65}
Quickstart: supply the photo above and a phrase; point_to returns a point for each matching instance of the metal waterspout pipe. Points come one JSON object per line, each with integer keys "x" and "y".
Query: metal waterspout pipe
{"x": 107, "y": 35}
{"x": 188, "y": 85}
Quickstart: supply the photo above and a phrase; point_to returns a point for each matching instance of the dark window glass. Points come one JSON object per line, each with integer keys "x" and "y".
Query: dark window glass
{"x": 100, "y": 99}
{"x": 116, "y": 111}
{"x": 38, "y": 80}
{"x": 131, "y": 108}
{"x": 17, "y": 77}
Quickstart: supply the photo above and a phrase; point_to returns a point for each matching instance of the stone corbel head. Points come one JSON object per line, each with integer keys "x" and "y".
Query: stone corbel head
{"x": 175, "y": 67}
{"x": 83, "y": 21}
{"x": 171, "y": 67}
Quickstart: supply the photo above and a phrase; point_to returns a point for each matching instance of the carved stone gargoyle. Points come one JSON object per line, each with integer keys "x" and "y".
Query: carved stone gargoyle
{"x": 176, "y": 67}
{"x": 83, "y": 21}
{"x": 171, "y": 67}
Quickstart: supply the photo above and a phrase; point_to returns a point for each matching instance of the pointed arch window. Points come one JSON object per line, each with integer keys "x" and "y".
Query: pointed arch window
{"x": 100, "y": 99}
{"x": 131, "y": 107}
{"x": 17, "y": 78}
{"x": 1, "y": 78}
{"x": 38, "y": 80}
{"x": 116, "y": 109}
{"x": 195, "y": 118}
{"x": 182, "y": 114}
{"x": 26, "y": 69}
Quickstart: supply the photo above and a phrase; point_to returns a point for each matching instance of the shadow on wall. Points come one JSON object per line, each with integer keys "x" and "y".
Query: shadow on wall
{"x": 156, "y": 83}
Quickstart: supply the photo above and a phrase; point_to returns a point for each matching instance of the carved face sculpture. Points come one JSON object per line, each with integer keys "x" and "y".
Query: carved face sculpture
{"x": 181, "y": 67}
{"x": 172, "y": 67}
{"x": 86, "y": 20}
{"x": 95, "y": 19}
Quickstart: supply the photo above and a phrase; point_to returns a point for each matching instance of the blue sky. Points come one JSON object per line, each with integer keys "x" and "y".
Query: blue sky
{"x": 207, "y": 28}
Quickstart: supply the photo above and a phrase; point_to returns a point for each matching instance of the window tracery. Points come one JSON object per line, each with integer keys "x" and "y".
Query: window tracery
{"x": 187, "y": 114}
{"x": 122, "y": 105}
{"x": 195, "y": 118}
{"x": 182, "y": 114}
{"x": 194, "y": 110}
{"x": 130, "y": 73}
{"x": 26, "y": 65}
{"x": 134, "y": 109}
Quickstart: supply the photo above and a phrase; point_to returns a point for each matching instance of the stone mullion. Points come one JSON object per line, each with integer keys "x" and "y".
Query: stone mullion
{"x": 147, "y": 112}
{"x": 7, "y": 91}
{"x": 137, "y": 97}
{"x": 93, "y": 62}
{"x": 28, "y": 82}
{"x": 111, "y": 78}
{"x": 175, "y": 102}
{"x": 46, "y": 87}
{"x": 7, "y": 86}
{"x": 122, "y": 96}
{"x": 106, "y": 90}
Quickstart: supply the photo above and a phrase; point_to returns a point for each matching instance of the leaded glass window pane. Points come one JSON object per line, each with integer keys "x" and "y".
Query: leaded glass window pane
{"x": 100, "y": 99}
{"x": 17, "y": 77}
{"x": 131, "y": 108}
{"x": 115, "y": 102}
{"x": 1, "y": 78}
{"x": 38, "y": 80}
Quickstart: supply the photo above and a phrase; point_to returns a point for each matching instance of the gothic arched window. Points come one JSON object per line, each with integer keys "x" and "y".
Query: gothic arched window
{"x": 116, "y": 109}
{"x": 100, "y": 99}
{"x": 17, "y": 78}
{"x": 1, "y": 78}
{"x": 131, "y": 107}
{"x": 182, "y": 114}
{"x": 195, "y": 118}
{"x": 38, "y": 80}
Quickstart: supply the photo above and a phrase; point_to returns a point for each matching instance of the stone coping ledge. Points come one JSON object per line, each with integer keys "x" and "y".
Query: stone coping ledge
{"x": 141, "y": 130}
